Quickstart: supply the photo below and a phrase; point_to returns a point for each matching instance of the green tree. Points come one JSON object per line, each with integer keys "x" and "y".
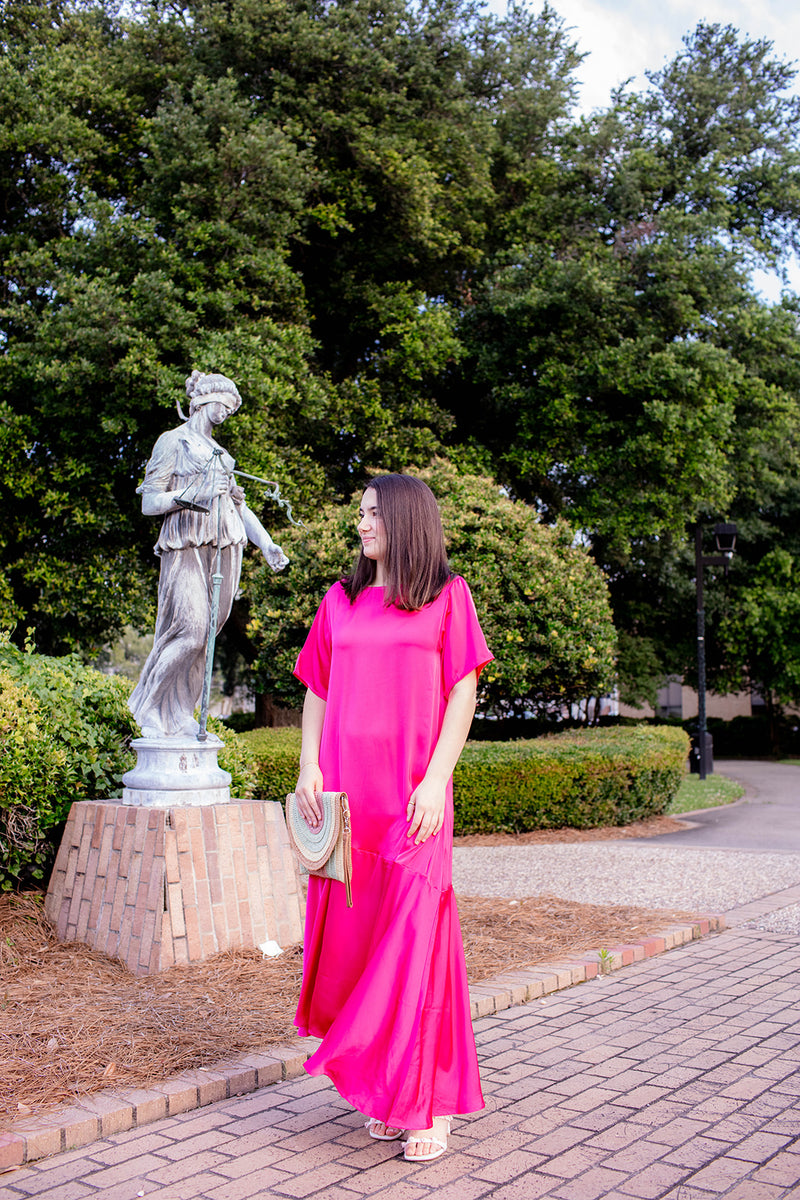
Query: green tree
{"x": 288, "y": 193}
{"x": 758, "y": 631}
{"x": 383, "y": 221}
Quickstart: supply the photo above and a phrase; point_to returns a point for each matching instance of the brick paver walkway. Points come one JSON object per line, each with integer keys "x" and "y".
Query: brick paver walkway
{"x": 678, "y": 1077}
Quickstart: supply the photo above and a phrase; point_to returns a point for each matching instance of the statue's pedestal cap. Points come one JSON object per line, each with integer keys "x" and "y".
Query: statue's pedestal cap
{"x": 174, "y": 771}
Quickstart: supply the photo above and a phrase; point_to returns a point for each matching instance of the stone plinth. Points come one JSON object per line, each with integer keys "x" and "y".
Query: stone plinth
{"x": 176, "y": 771}
{"x": 159, "y": 886}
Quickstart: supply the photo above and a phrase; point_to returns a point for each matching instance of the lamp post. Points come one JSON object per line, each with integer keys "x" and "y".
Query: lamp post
{"x": 725, "y": 538}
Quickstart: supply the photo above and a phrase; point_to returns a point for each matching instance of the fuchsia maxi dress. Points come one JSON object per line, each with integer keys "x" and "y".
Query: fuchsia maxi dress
{"x": 384, "y": 982}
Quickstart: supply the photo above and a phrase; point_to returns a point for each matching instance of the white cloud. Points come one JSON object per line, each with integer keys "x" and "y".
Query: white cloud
{"x": 624, "y": 38}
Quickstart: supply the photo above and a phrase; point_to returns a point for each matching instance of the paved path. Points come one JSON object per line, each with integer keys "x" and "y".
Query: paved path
{"x": 678, "y": 1077}
{"x": 767, "y": 819}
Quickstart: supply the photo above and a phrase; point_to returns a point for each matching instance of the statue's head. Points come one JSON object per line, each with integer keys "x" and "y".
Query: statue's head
{"x": 203, "y": 389}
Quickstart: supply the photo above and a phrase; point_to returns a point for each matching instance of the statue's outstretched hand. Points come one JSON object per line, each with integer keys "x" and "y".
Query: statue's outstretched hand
{"x": 276, "y": 558}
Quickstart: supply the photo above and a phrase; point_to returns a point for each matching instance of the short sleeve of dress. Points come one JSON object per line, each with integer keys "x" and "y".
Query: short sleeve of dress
{"x": 313, "y": 666}
{"x": 464, "y": 647}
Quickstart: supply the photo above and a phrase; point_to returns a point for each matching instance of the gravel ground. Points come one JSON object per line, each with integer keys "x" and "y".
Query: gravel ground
{"x": 701, "y": 881}
{"x": 783, "y": 920}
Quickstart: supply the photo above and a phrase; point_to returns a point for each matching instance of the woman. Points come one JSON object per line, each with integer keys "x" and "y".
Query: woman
{"x": 391, "y": 666}
{"x": 189, "y": 481}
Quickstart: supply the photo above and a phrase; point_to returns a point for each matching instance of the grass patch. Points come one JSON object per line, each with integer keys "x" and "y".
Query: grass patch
{"x": 695, "y": 792}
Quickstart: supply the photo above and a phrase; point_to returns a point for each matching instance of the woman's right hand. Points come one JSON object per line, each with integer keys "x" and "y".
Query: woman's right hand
{"x": 309, "y": 782}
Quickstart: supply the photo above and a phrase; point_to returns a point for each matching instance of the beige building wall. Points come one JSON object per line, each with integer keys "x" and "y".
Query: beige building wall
{"x": 735, "y": 704}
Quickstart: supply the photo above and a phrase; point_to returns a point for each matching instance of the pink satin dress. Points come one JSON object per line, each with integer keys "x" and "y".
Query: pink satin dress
{"x": 384, "y": 982}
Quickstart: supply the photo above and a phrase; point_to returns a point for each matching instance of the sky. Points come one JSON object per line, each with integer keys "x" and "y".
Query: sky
{"x": 624, "y": 38}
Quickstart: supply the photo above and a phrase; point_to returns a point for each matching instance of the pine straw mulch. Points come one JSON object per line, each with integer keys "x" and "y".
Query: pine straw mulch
{"x": 73, "y": 1021}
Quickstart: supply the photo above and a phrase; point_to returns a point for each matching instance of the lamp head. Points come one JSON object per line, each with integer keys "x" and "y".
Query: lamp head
{"x": 725, "y": 537}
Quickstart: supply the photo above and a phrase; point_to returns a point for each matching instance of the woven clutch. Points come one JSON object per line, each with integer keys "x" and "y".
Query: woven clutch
{"x": 324, "y": 851}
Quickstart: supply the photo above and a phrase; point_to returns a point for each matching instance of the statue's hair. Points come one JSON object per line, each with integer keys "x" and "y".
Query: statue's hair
{"x": 199, "y": 385}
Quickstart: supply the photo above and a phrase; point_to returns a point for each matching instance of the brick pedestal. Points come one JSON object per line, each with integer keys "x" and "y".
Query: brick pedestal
{"x": 159, "y": 886}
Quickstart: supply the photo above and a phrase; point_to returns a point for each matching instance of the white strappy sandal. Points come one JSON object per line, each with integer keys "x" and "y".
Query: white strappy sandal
{"x": 372, "y": 1124}
{"x": 433, "y": 1136}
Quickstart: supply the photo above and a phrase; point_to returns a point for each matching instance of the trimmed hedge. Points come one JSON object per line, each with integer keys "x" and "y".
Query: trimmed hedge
{"x": 275, "y": 755}
{"x": 581, "y": 779}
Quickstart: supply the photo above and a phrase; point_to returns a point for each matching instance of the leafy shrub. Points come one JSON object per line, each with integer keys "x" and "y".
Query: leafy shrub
{"x": 752, "y": 737}
{"x": 65, "y": 734}
{"x": 28, "y": 763}
{"x": 235, "y": 757}
{"x": 275, "y": 754}
{"x": 581, "y": 779}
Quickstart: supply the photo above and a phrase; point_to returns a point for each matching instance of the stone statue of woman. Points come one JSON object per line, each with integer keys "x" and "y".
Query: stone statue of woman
{"x": 189, "y": 481}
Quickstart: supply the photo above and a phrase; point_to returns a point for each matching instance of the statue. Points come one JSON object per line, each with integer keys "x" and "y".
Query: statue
{"x": 152, "y": 905}
{"x": 190, "y": 482}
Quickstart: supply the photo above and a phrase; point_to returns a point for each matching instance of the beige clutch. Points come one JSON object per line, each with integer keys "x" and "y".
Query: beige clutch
{"x": 327, "y": 850}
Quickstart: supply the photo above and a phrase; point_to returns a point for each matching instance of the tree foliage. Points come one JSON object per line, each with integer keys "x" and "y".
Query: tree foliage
{"x": 386, "y": 223}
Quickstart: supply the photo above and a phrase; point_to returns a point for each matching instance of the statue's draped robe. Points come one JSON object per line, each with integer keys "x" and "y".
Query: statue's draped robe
{"x": 169, "y": 689}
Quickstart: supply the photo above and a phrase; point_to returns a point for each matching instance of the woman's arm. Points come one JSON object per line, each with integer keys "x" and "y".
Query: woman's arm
{"x": 427, "y": 804}
{"x": 309, "y": 781}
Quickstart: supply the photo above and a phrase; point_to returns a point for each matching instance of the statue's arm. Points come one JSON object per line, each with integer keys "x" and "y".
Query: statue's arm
{"x": 259, "y": 537}
{"x": 157, "y": 496}
{"x": 157, "y": 504}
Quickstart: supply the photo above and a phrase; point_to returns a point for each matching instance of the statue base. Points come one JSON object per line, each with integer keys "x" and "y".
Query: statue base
{"x": 155, "y": 887}
{"x": 172, "y": 772}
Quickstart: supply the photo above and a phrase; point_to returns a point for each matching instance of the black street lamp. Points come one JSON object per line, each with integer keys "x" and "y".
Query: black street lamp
{"x": 725, "y": 538}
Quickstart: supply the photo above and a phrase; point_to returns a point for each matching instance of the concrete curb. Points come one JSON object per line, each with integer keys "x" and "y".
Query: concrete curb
{"x": 117, "y": 1110}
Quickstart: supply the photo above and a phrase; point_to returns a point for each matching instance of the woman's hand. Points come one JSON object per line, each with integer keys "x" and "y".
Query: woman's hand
{"x": 426, "y": 810}
{"x": 309, "y": 782}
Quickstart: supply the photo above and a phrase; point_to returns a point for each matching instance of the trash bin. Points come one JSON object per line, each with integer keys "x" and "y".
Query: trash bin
{"x": 694, "y": 755}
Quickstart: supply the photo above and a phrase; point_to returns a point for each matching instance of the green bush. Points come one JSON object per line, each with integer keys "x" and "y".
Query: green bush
{"x": 65, "y": 734}
{"x": 65, "y": 731}
{"x": 275, "y": 754}
{"x": 581, "y": 779}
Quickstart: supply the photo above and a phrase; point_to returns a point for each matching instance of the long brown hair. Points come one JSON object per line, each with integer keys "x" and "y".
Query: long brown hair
{"x": 416, "y": 560}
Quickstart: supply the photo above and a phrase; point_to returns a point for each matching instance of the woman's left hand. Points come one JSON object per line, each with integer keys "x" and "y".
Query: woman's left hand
{"x": 426, "y": 811}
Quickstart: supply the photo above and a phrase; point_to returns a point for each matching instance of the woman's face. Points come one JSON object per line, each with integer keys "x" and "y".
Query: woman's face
{"x": 371, "y": 529}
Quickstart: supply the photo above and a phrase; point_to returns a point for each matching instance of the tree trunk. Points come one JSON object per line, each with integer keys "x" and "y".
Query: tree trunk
{"x": 270, "y": 715}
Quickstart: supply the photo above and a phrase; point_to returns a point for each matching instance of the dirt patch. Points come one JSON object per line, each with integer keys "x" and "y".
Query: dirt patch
{"x": 74, "y": 1022}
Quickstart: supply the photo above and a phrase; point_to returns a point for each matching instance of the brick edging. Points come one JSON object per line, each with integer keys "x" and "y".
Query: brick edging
{"x": 519, "y": 987}
{"x": 117, "y": 1110}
